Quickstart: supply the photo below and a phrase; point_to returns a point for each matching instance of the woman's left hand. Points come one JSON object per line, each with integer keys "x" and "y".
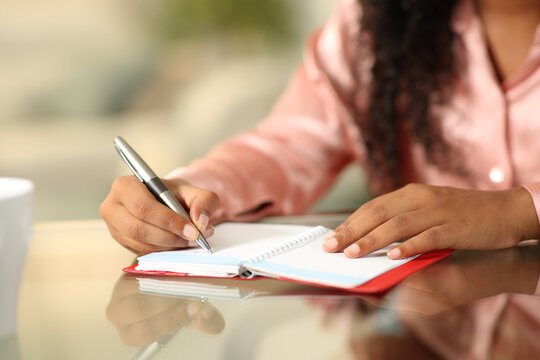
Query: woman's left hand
{"x": 431, "y": 217}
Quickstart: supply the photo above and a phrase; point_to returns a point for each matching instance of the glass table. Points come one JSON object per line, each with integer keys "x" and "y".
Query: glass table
{"x": 76, "y": 303}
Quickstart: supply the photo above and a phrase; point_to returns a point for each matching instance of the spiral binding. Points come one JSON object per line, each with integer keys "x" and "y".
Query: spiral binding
{"x": 290, "y": 244}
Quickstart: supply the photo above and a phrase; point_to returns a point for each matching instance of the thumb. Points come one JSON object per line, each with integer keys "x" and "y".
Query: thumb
{"x": 200, "y": 202}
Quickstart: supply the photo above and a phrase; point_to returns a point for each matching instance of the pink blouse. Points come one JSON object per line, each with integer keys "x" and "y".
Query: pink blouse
{"x": 293, "y": 157}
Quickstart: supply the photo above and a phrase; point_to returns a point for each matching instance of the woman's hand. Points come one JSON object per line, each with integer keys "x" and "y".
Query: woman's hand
{"x": 142, "y": 224}
{"x": 431, "y": 217}
{"x": 141, "y": 319}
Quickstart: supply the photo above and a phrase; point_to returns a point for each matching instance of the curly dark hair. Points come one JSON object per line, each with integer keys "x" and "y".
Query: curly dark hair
{"x": 413, "y": 47}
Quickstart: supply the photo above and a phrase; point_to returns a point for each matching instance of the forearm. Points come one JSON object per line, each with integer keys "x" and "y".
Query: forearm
{"x": 251, "y": 183}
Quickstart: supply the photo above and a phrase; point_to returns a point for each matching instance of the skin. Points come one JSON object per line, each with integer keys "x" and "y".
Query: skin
{"x": 143, "y": 225}
{"x": 429, "y": 217}
{"x": 509, "y": 27}
{"x": 432, "y": 217}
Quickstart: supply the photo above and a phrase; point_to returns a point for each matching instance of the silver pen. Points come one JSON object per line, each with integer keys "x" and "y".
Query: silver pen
{"x": 143, "y": 172}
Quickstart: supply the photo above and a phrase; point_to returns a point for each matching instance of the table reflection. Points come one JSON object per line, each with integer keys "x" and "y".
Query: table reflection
{"x": 474, "y": 305}
{"x": 479, "y": 305}
{"x": 141, "y": 319}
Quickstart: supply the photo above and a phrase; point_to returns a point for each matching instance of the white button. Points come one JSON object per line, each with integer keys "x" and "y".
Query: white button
{"x": 496, "y": 175}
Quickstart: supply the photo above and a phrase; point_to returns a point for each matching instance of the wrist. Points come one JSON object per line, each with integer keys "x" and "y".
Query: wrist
{"x": 529, "y": 269}
{"x": 523, "y": 214}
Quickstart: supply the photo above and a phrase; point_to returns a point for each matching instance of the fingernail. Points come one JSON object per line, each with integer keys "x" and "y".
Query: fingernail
{"x": 193, "y": 309}
{"x": 352, "y": 251}
{"x": 394, "y": 253}
{"x": 331, "y": 235}
{"x": 209, "y": 232}
{"x": 202, "y": 222}
{"x": 190, "y": 232}
{"x": 330, "y": 244}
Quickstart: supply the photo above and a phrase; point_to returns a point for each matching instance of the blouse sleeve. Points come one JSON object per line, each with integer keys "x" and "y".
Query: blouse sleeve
{"x": 288, "y": 161}
{"x": 534, "y": 190}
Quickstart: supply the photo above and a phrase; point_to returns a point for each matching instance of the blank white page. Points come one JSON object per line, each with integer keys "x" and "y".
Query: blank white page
{"x": 311, "y": 264}
{"x": 230, "y": 243}
{"x": 244, "y": 239}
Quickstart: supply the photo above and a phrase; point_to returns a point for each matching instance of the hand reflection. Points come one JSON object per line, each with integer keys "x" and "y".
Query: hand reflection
{"x": 340, "y": 313}
{"x": 371, "y": 331}
{"x": 476, "y": 305}
{"x": 141, "y": 319}
{"x": 472, "y": 306}
{"x": 470, "y": 276}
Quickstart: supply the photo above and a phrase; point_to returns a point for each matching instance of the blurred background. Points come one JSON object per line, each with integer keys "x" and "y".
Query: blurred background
{"x": 173, "y": 77}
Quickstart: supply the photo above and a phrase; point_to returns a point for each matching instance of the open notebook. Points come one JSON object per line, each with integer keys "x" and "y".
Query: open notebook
{"x": 287, "y": 252}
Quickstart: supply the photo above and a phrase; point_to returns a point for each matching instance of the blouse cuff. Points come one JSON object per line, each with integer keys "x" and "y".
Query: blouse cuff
{"x": 534, "y": 190}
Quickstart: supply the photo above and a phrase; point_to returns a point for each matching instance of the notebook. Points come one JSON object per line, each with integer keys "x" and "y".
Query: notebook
{"x": 232, "y": 289}
{"x": 287, "y": 252}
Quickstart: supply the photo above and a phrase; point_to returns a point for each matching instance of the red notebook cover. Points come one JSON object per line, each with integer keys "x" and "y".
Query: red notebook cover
{"x": 376, "y": 285}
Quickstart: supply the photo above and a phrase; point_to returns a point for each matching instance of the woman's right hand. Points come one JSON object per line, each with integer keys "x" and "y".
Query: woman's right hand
{"x": 141, "y": 319}
{"x": 142, "y": 224}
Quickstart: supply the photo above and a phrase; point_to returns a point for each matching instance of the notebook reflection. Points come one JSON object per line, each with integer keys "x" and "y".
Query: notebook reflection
{"x": 233, "y": 289}
{"x": 149, "y": 312}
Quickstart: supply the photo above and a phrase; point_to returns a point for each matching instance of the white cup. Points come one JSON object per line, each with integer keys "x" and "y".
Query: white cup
{"x": 16, "y": 215}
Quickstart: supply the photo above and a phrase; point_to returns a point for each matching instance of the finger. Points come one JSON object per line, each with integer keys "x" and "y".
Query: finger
{"x": 205, "y": 318}
{"x": 209, "y": 232}
{"x": 143, "y": 232}
{"x": 124, "y": 287}
{"x": 120, "y": 239}
{"x": 144, "y": 332}
{"x": 372, "y": 216}
{"x": 144, "y": 206}
{"x": 373, "y": 204}
{"x": 138, "y": 307}
{"x": 139, "y": 248}
{"x": 435, "y": 238}
{"x": 200, "y": 202}
{"x": 401, "y": 226}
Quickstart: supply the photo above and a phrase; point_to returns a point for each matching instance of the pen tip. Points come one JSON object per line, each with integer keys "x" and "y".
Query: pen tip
{"x": 204, "y": 244}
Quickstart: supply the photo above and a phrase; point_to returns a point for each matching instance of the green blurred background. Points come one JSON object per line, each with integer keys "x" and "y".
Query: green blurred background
{"x": 174, "y": 77}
